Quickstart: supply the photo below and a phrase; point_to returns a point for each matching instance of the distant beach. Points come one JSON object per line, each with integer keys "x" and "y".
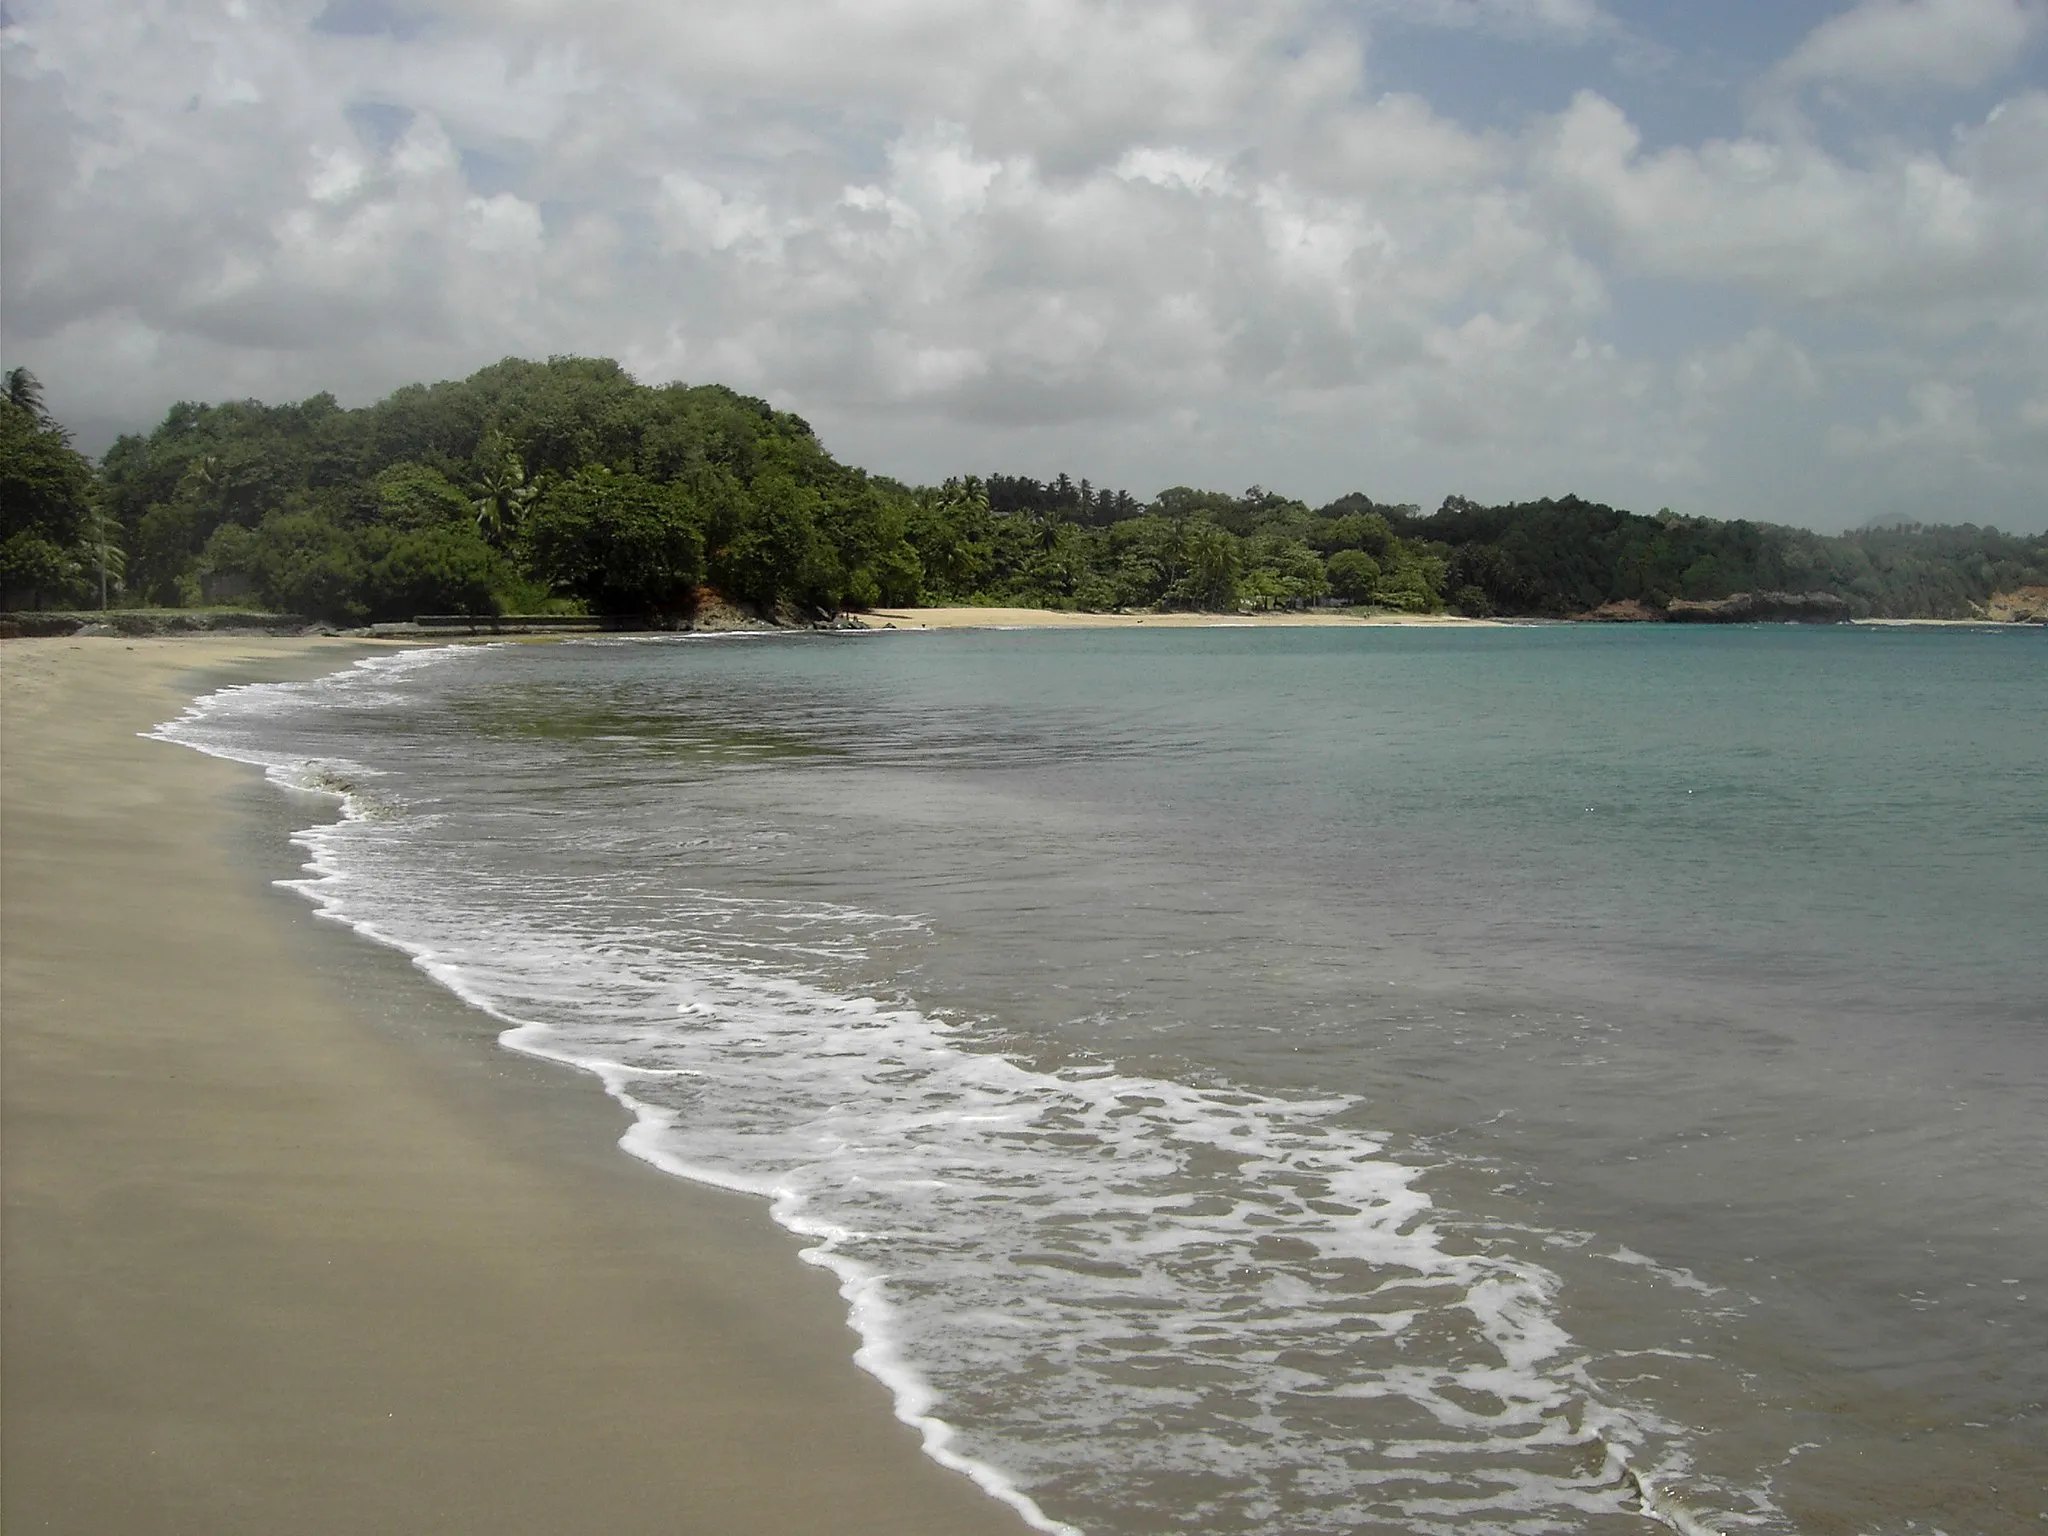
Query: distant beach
{"x": 1047, "y": 618}
{"x": 293, "y": 1245}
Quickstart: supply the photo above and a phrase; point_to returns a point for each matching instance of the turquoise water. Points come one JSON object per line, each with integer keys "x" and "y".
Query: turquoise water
{"x": 1301, "y": 1080}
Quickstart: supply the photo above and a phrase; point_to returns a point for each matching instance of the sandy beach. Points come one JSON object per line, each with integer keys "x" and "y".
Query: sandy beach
{"x": 1046, "y": 618}
{"x": 291, "y": 1245}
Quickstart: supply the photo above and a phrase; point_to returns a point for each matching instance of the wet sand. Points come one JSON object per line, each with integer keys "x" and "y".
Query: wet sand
{"x": 291, "y": 1245}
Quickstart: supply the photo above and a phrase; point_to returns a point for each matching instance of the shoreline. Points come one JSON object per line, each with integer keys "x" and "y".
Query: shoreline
{"x": 1051, "y": 618}
{"x": 1054, "y": 618}
{"x": 292, "y": 1243}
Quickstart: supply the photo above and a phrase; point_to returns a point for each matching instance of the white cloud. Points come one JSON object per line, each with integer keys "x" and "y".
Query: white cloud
{"x": 1174, "y": 168}
{"x": 1570, "y": 20}
{"x": 1900, "y": 44}
{"x": 1937, "y": 240}
{"x": 696, "y": 217}
{"x": 1179, "y": 241}
{"x": 1944, "y": 423}
{"x": 1762, "y": 360}
{"x": 337, "y": 173}
{"x": 503, "y": 224}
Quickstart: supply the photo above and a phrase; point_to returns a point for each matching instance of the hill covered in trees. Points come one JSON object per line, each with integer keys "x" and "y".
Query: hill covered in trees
{"x": 566, "y": 486}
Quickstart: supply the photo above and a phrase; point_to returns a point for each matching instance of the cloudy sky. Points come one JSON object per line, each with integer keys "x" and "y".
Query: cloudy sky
{"x": 1770, "y": 258}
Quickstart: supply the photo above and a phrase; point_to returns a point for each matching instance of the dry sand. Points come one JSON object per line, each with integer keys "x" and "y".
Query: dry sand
{"x": 291, "y": 1246}
{"x": 1044, "y": 618}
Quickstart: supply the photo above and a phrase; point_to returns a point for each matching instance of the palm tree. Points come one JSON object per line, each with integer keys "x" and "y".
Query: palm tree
{"x": 1051, "y": 528}
{"x": 25, "y": 390}
{"x": 202, "y": 475}
{"x": 502, "y": 494}
{"x": 112, "y": 559}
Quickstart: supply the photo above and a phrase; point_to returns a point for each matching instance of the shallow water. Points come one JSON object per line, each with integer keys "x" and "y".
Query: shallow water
{"x": 1300, "y": 1081}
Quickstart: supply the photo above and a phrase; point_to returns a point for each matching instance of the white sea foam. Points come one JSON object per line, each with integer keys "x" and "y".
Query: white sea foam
{"x": 1088, "y": 1290}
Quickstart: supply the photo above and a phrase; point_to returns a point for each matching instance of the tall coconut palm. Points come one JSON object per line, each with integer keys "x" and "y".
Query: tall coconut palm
{"x": 502, "y": 494}
{"x": 111, "y": 560}
{"x": 25, "y": 390}
{"x": 1051, "y": 528}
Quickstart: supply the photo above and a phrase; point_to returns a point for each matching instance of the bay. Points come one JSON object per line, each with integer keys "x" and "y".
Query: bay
{"x": 1300, "y": 1080}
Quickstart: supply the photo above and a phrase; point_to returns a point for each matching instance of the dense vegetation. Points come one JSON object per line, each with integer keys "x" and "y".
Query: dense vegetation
{"x": 53, "y": 540}
{"x": 565, "y": 486}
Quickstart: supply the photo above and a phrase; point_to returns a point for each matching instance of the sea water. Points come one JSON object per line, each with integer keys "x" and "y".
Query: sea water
{"x": 1298, "y": 1081}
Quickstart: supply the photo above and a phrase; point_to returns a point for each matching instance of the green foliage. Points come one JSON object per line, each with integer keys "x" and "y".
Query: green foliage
{"x": 621, "y": 543}
{"x": 1414, "y": 584}
{"x": 1570, "y": 556}
{"x": 47, "y": 513}
{"x": 501, "y": 489}
{"x": 1353, "y": 575}
{"x": 1213, "y": 562}
{"x": 566, "y": 483}
{"x": 446, "y": 569}
{"x": 1180, "y": 502}
{"x": 105, "y": 560}
{"x": 24, "y": 391}
{"x": 777, "y": 550}
{"x": 227, "y": 565}
{"x": 36, "y": 572}
{"x": 1287, "y": 568}
{"x": 415, "y": 496}
{"x": 1146, "y": 559}
{"x": 45, "y": 485}
{"x": 306, "y": 562}
{"x": 1366, "y": 532}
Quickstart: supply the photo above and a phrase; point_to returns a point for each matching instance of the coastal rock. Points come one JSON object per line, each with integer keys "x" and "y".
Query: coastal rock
{"x": 134, "y": 623}
{"x": 22, "y": 626}
{"x": 2023, "y": 605}
{"x": 712, "y": 613}
{"x": 1761, "y": 608}
{"x": 1628, "y": 611}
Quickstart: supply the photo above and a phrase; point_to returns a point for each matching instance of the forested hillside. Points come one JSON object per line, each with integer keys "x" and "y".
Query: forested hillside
{"x": 565, "y": 486}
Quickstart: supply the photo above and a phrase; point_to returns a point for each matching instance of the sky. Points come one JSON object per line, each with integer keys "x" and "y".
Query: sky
{"x": 1777, "y": 259}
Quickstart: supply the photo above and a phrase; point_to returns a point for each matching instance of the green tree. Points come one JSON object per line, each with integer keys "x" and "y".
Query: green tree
{"x": 418, "y": 496}
{"x": 1261, "y": 589}
{"x": 101, "y": 552}
{"x": 441, "y": 570}
{"x": 24, "y": 392}
{"x": 307, "y": 563}
{"x": 1297, "y": 572}
{"x": 501, "y": 490}
{"x": 46, "y": 502}
{"x": 1353, "y": 575}
{"x": 622, "y": 543}
{"x": 1366, "y": 531}
{"x": 777, "y": 553}
{"x": 1412, "y": 583}
{"x": 950, "y": 530}
{"x": 1212, "y": 565}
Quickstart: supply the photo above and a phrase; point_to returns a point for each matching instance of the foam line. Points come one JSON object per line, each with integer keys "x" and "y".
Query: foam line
{"x": 1069, "y": 1281}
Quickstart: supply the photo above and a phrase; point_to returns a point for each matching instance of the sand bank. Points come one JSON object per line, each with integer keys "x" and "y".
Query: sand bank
{"x": 291, "y": 1245}
{"x": 1045, "y": 618}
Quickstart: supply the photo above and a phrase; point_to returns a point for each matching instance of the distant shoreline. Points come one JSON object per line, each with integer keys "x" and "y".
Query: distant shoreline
{"x": 172, "y": 624}
{"x": 1049, "y": 618}
{"x": 1052, "y": 618}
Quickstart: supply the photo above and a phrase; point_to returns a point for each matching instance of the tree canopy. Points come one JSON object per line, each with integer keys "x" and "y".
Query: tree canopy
{"x": 566, "y": 486}
{"x": 50, "y": 532}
